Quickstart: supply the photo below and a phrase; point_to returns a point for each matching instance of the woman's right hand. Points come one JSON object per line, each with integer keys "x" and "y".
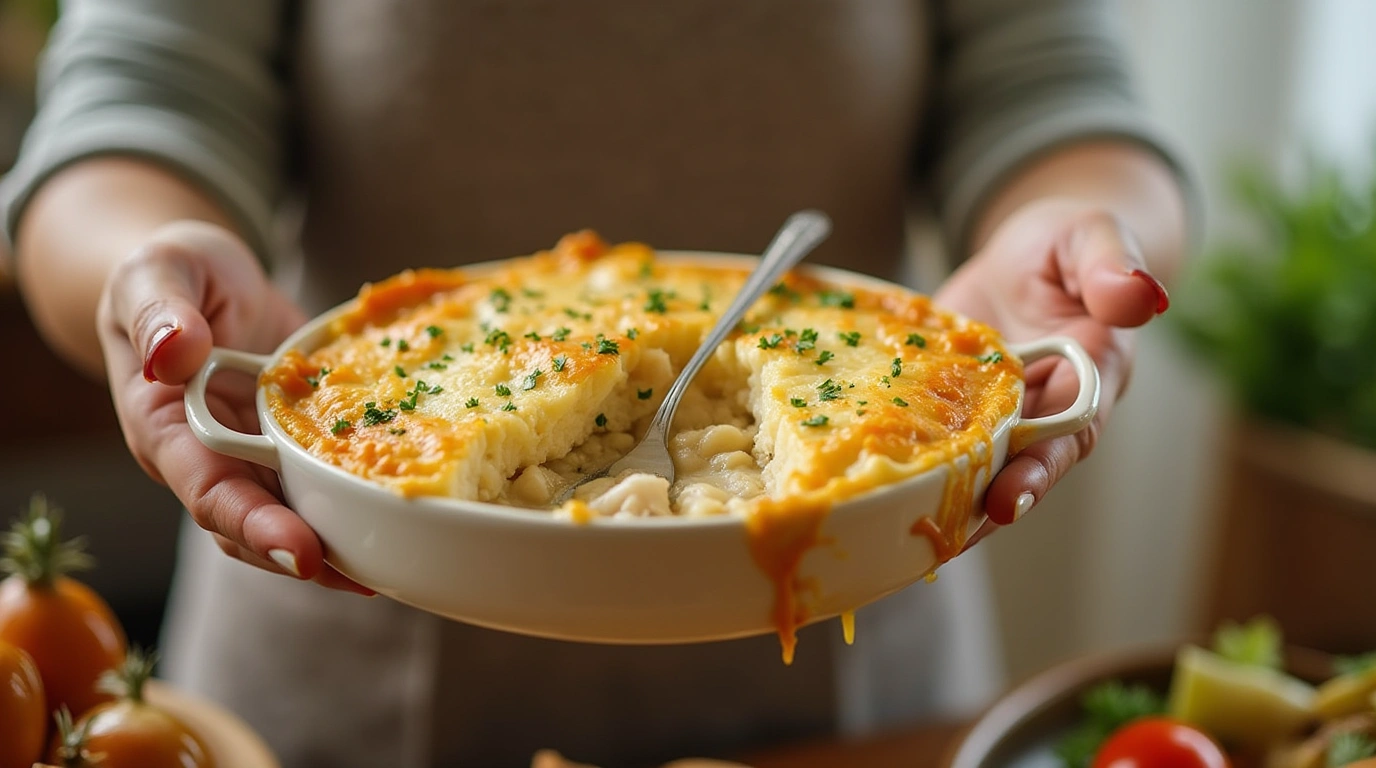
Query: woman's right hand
{"x": 192, "y": 285}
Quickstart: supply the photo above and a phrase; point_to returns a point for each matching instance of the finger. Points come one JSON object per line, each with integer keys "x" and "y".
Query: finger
{"x": 328, "y": 576}
{"x": 1104, "y": 264}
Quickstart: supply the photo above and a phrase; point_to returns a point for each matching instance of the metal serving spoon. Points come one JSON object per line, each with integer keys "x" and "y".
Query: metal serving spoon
{"x": 799, "y": 235}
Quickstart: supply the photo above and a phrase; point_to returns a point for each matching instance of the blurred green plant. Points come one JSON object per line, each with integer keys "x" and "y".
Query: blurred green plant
{"x": 1291, "y": 325}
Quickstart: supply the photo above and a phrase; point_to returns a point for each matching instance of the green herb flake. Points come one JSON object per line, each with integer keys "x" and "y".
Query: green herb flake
{"x": 560, "y": 334}
{"x": 502, "y": 390}
{"x": 852, "y": 338}
{"x": 386, "y": 341}
{"x": 314, "y": 381}
{"x": 828, "y": 390}
{"x": 601, "y": 420}
{"x": 606, "y": 346}
{"x": 645, "y": 394}
{"x": 498, "y": 338}
{"x": 819, "y": 420}
{"x": 900, "y": 402}
{"x": 632, "y": 333}
{"x": 402, "y": 346}
{"x": 531, "y": 379}
{"x": 340, "y": 426}
{"x": 372, "y": 415}
{"x": 559, "y": 362}
{"x": 531, "y": 293}
{"x": 771, "y": 341}
{"x": 471, "y": 402}
{"x": 401, "y": 373}
{"x": 397, "y": 431}
{"x": 807, "y": 340}
{"x": 798, "y": 402}
{"x": 837, "y": 299}
{"x": 509, "y": 406}
{"x": 782, "y": 290}
{"x": 466, "y": 347}
{"x": 655, "y": 301}
{"x": 435, "y": 365}
{"x": 434, "y": 331}
{"x": 576, "y": 315}
{"x": 500, "y": 299}
{"x": 992, "y": 357}
{"x": 533, "y": 336}
{"x": 896, "y": 367}
{"x": 916, "y": 340}
{"x": 647, "y": 269}
{"x": 824, "y": 356}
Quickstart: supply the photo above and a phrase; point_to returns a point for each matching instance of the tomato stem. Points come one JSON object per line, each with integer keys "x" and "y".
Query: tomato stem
{"x": 71, "y": 741}
{"x": 34, "y": 549}
{"x": 127, "y": 681}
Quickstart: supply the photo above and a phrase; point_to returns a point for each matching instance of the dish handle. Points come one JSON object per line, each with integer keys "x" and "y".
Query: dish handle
{"x": 1080, "y": 413}
{"x": 258, "y": 449}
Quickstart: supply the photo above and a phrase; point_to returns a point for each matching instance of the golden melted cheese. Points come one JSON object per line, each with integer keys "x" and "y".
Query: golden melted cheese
{"x": 505, "y": 384}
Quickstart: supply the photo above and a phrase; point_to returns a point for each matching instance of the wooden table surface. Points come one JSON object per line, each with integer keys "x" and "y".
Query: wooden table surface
{"x": 918, "y": 747}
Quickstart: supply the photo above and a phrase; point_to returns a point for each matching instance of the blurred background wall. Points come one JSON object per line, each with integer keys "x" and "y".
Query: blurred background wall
{"x": 1119, "y": 555}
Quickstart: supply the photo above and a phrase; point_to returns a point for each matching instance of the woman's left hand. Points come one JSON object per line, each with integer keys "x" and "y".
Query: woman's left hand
{"x": 1057, "y": 267}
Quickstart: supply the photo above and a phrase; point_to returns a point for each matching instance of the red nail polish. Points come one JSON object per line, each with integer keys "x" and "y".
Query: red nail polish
{"x": 1163, "y": 299}
{"x": 160, "y": 339}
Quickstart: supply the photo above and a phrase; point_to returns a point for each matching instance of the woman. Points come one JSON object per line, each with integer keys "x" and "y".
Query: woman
{"x": 173, "y": 136}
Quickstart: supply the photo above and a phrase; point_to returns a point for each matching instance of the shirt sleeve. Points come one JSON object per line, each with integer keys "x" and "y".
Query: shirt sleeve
{"x": 194, "y": 86}
{"x": 1015, "y": 79}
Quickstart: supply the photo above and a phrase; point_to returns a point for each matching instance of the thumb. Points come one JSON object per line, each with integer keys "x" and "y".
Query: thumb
{"x": 1107, "y": 266}
{"x": 189, "y": 286}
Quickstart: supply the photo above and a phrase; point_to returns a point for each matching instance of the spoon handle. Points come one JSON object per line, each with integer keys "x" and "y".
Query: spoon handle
{"x": 802, "y": 232}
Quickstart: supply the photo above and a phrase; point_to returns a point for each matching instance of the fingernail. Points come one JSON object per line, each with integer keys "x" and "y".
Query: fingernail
{"x": 1022, "y": 505}
{"x": 160, "y": 340}
{"x": 1163, "y": 299}
{"x": 285, "y": 559}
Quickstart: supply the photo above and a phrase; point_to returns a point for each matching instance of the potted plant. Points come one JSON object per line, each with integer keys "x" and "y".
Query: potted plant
{"x": 1288, "y": 321}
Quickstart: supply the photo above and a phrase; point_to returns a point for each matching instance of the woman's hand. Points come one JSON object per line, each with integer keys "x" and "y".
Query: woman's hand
{"x": 191, "y": 285}
{"x": 1057, "y": 266}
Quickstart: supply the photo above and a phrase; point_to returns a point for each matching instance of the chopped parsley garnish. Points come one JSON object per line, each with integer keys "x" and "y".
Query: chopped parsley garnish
{"x": 885, "y": 380}
{"x": 916, "y": 340}
{"x": 501, "y": 300}
{"x": 1107, "y": 707}
{"x": 434, "y": 330}
{"x": 533, "y": 336}
{"x": 745, "y": 327}
{"x": 314, "y": 381}
{"x": 606, "y": 346}
{"x": 837, "y": 299}
{"x": 498, "y": 338}
{"x": 373, "y": 415}
{"x": 502, "y": 390}
{"x": 435, "y": 365}
{"x": 397, "y": 431}
{"x": 798, "y": 402}
{"x": 852, "y": 338}
{"x": 782, "y": 290}
{"x": 402, "y": 346}
{"x": 448, "y": 358}
{"x": 559, "y": 362}
{"x": 655, "y": 301}
{"x": 531, "y": 379}
{"x": 900, "y": 401}
{"x": 992, "y": 357}
{"x": 401, "y": 374}
{"x": 632, "y": 333}
{"x": 531, "y": 293}
{"x": 646, "y": 269}
{"x": 471, "y": 402}
{"x": 861, "y": 402}
{"x": 601, "y": 420}
{"x": 467, "y": 347}
{"x": 706, "y": 302}
{"x": 509, "y": 406}
{"x": 807, "y": 340}
{"x": 828, "y": 390}
{"x": 819, "y": 420}
{"x": 896, "y": 367}
{"x": 824, "y": 356}
{"x": 340, "y": 426}
{"x": 386, "y": 341}
{"x": 645, "y": 394}
{"x": 576, "y": 315}
{"x": 771, "y": 341}
{"x": 560, "y": 334}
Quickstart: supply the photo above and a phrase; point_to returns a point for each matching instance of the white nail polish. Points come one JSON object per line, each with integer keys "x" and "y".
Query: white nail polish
{"x": 285, "y": 559}
{"x": 1023, "y": 504}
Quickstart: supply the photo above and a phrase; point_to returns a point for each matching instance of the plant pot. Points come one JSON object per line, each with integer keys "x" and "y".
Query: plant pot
{"x": 1297, "y": 537}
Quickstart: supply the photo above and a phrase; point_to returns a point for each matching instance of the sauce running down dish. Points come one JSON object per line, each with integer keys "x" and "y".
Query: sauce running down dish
{"x": 506, "y": 384}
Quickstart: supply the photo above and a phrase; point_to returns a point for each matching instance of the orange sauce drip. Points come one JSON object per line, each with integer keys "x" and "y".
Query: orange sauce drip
{"x": 848, "y": 626}
{"x": 780, "y": 532}
{"x": 948, "y": 529}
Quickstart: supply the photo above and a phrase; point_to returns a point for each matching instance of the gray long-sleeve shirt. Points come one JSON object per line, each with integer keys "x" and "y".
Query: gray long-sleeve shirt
{"x": 435, "y": 132}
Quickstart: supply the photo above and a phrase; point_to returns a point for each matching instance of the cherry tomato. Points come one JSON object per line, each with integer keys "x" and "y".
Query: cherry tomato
{"x": 70, "y": 632}
{"x": 129, "y": 732}
{"x": 23, "y": 714}
{"x": 1160, "y": 742}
